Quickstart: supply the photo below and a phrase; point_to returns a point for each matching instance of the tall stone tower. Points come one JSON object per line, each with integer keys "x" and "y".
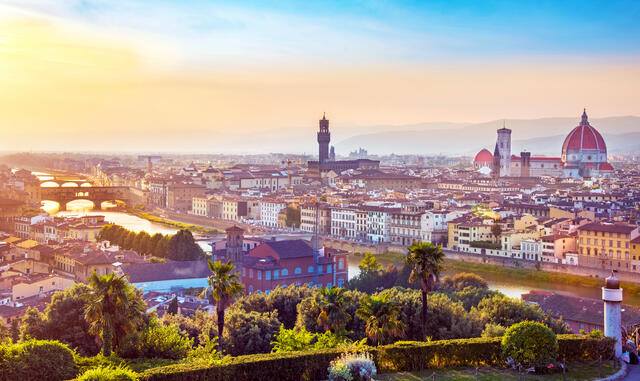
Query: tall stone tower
{"x": 525, "y": 164}
{"x": 503, "y": 143}
{"x": 324, "y": 137}
{"x": 235, "y": 253}
{"x": 612, "y": 296}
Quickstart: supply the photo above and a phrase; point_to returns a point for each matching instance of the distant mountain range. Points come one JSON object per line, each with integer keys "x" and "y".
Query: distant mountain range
{"x": 540, "y": 136}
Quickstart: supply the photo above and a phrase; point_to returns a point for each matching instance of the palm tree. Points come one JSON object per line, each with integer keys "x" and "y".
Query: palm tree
{"x": 333, "y": 308}
{"x": 382, "y": 318}
{"x": 425, "y": 261}
{"x": 225, "y": 285}
{"x": 114, "y": 309}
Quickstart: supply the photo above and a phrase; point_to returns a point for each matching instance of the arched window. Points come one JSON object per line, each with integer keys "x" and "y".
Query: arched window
{"x": 298, "y": 270}
{"x": 285, "y": 272}
{"x": 310, "y": 269}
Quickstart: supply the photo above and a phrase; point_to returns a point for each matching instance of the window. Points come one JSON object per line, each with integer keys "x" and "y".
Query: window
{"x": 259, "y": 275}
{"x": 275, "y": 274}
{"x": 329, "y": 269}
{"x": 341, "y": 264}
{"x": 310, "y": 269}
{"x": 329, "y": 285}
{"x": 250, "y": 273}
{"x": 285, "y": 272}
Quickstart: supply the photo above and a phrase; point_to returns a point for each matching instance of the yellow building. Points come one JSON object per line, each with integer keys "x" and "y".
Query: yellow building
{"x": 608, "y": 246}
{"x": 40, "y": 284}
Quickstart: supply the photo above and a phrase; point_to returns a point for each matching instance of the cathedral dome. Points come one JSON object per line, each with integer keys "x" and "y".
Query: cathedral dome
{"x": 483, "y": 156}
{"x": 584, "y": 138}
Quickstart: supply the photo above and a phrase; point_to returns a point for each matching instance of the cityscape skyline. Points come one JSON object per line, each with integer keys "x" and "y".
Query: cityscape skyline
{"x": 180, "y": 74}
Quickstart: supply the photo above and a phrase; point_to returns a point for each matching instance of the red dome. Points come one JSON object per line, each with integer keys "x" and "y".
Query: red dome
{"x": 584, "y": 137}
{"x": 483, "y": 156}
{"x": 606, "y": 167}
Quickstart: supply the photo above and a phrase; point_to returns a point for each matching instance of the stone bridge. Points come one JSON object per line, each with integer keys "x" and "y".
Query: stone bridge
{"x": 97, "y": 195}
{"x": 361, "y": 247}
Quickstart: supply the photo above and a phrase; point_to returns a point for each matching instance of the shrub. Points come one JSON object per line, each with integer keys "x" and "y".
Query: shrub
{"x": 163, "y": 341}
{"x": 530, "y": 343}
{"x": 340, "y": 372}
{"x": 37, "y": 360}
{"x": 359, "y": 365}
{"x": 109, "y": 373}
{"x": 493, "y": 330}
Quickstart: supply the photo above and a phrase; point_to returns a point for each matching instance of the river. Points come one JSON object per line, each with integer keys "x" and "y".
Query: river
{"x": 137, "y": 224}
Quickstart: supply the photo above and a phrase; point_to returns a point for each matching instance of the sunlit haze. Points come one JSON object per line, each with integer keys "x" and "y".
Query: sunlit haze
{"x": 189, "y": 76}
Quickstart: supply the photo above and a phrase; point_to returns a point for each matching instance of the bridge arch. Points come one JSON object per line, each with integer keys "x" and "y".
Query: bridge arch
{"x": 69, "y": 184}
{"x": 49, "y": 184}
{"x": 80, "y": 204}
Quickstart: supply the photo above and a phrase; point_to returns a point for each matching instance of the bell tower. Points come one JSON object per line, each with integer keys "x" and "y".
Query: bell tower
{"x": 324, "y": 137}
{"x": 235, "y": 252}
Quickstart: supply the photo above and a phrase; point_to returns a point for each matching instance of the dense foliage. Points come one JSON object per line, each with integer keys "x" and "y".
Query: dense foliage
{"x": 37, "y": 360}
{"x": 109, "y": 373}
{"x": 401, "y": 356}
{"x": 178, "y": 247}
{"x": 530, "y": 344}
{"x": 114, "y": 309}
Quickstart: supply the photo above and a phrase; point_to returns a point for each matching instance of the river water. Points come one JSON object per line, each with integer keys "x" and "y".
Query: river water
{"x": 508, "y": 287}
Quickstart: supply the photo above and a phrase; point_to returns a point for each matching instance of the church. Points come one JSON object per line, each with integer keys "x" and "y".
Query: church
{"x": 327, "y": 159}
{"x": 584, "y": 154}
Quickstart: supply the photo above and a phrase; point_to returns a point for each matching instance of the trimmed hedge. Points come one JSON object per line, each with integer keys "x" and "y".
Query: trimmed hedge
{"x": 416, "y": 355}
{"x": 294, "y": 366}
{"x": 401, "y": 356}
{"x": 37, "y": 360}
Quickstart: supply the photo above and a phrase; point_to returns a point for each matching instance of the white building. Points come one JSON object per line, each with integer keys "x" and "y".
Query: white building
{"x": 269, "y": 210}
{"x": 343, "y": 222}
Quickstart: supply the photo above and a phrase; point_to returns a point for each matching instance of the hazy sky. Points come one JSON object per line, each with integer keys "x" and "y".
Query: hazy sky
{"x": 230, "y": 75}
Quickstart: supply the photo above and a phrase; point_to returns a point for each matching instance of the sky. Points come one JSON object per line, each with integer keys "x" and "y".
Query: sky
{"x": 255, "y": 76}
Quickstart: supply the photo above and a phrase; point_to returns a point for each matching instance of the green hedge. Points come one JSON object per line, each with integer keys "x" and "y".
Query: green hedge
{"x": 294, "y": 366}
{"x": 36, "y": 360}
{"x": 416, "y": 355}
{"x": 401, "y": 356}
{"x": 577, "y": 348}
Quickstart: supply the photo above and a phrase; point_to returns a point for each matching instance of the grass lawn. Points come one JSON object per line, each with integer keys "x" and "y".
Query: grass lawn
{"x": 577, "y": 372}
{"x": 175, "y": 224}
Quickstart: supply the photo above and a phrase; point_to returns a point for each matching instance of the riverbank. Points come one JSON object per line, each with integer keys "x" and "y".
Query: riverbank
{"x": 525, "y": 278}
{"x": 175, "y": 224}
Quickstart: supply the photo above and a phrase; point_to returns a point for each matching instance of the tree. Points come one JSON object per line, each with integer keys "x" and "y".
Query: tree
{"x": 369, "y": 264}
{"x": 5, "y": 334}
{"x": 65, "y": 320}
{"x": 460, "y": 281}
{"x": 382, "y": 317}
{"x": 225, "y": 286}
{"x": 33, "y": 325}
{"x": 496, "y": 230}
{"x": 141, "y": 243}
{"x": 333, "y": 305}
{"x": 129, "y": 242}
{"x": 425, "y": 261}
{"x": 153, "y": 242}
{"x": 14, "y": 330}
{"x": 182, "y": 247}
{"x": 172, "y": 308}
{"x": 249, "y": 332}
{"x": 371, "y": 276}
{"x": 114, "y": 309}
